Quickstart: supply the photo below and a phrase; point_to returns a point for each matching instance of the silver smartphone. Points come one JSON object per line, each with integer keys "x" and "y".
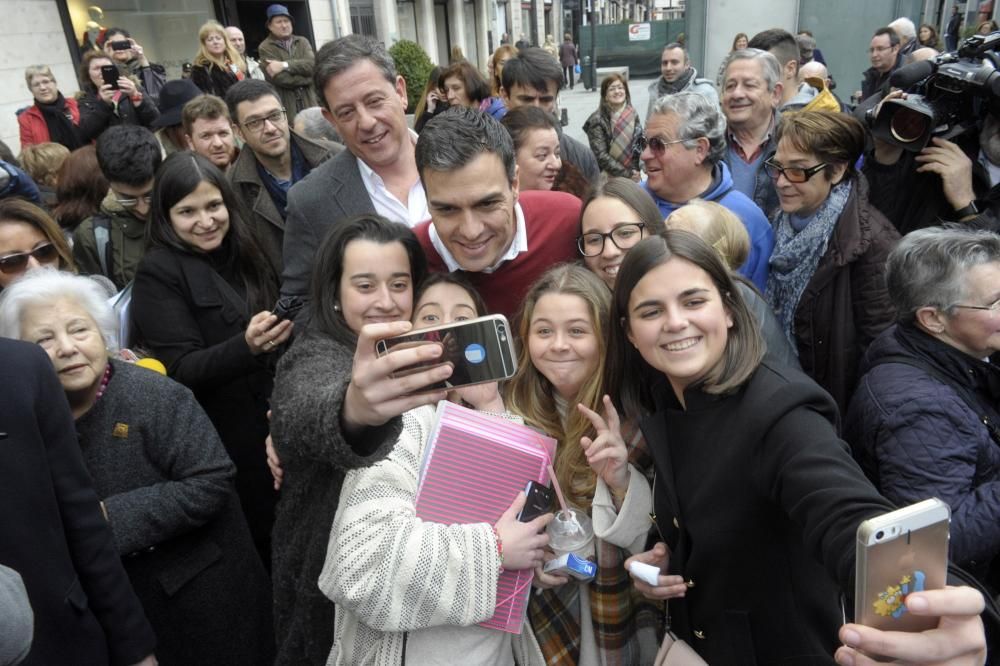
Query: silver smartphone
{"x": 898, "y": 553}
{"x": 479, "y": 350}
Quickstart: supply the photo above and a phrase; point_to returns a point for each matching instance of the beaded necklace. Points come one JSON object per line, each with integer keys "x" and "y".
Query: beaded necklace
{"x": 104, "y": 383}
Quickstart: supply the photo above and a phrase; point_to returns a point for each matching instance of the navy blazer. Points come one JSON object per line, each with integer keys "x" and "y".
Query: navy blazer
{"x": 54, "y": 533}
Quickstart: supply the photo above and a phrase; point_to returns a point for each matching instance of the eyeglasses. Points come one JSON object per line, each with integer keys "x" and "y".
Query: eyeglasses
{"x": 129, "y": 203}
{"x": 792, "y": 174}
{"x": 276, "y": 117}
{"x": 657, "y": 145}
{"x": 15, "y": 263}
{"x": 992, "y": 308}
{"x": 623, "y": 236}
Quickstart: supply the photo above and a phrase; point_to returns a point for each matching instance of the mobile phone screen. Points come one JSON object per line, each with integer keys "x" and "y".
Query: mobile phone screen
{"x": 110, "y": 75}
{"x": 479, "y": 351}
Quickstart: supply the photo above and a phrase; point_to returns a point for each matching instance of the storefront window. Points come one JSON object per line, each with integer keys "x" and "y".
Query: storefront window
{"x": 167, "y": 30}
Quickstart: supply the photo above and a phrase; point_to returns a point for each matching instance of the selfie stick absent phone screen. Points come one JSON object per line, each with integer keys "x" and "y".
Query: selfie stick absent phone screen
{"x": 479, "y": 351}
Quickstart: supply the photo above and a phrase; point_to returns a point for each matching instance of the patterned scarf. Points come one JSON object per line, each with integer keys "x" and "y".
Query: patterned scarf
{"x": 625, "y": 624}
{"x": 797, "y": 253}
{"x": 622, "y": 135}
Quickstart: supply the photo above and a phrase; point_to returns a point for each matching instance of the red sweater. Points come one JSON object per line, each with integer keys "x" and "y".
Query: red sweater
{"x": 552, "y": 222}
{"x": 33, "y": 127}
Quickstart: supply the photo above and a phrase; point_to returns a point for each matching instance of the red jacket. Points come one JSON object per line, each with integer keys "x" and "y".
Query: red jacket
{"x": 32, "y": 123}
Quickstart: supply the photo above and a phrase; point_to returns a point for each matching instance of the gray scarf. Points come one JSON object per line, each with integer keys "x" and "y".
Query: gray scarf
{"x": 667, "y": 88}
{"x": 796, "y": 255}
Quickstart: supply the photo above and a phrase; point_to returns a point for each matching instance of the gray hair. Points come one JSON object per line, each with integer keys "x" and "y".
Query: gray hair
{"x": 343, "y": 53}
{"x": 32, "y": 71}
{"x": 314, "y": 125}
{"x": 904, "y": 28}
{"x": 452, "y": 139}
{"x": 769, "y": 66}
{"x": 928, "y": 267}
{"x": 698, "y": 118}
{"x": 47, "y": 285}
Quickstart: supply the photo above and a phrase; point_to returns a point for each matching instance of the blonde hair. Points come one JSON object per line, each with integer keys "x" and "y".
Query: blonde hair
{"x": 42, "y": 161}
{"x": 32, "y": 71}
{"x": 531, "y": 395}
{"x": 716, "y": 225}
{"x": 232, "y": 55}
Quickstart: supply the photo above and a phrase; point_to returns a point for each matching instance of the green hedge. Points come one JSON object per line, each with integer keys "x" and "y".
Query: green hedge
{"x": 414, "y": 66}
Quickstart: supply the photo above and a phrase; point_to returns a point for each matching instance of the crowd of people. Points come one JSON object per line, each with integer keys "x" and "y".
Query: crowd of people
{"x": 748, "y": 324}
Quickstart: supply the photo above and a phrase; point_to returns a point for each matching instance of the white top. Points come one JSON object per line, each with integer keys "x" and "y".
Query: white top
{"x": 387, "y": 205}
{"x": 517, "y": 246}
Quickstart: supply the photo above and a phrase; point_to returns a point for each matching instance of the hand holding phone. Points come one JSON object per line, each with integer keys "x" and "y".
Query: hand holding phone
{"x": 110, "y": 75}
{"x": 538, "y": 501}
{"x": 287, "y": 307}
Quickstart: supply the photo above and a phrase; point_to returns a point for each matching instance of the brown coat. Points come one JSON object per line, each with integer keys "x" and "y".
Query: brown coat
{"x": 846, "y": 303}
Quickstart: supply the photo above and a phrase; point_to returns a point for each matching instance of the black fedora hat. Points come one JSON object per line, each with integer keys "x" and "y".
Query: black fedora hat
{"x": 174, "y": 95}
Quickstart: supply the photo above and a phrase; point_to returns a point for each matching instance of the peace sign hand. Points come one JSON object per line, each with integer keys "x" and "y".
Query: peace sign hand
{"x": 607, "y": 454}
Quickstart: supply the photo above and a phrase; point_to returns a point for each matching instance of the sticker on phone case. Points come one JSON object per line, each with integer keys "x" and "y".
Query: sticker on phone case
{"x": 892, "y": 602}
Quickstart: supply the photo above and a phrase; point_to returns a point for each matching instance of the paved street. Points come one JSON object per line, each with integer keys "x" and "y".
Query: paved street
{"x": 580, "y": 104}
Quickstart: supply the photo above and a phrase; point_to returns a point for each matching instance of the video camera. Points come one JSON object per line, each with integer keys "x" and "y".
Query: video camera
{"x": 946, "y": 95}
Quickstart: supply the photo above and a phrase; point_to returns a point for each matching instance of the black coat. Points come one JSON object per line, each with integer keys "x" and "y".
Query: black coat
{"x": 54, "y": 533}
{"x": 96, "y": 115}
{"x": 212, "y": 79}
{"x": 759, "y": 502}
{"x": 193, "y": 321}
{"x": 167, "y": 485}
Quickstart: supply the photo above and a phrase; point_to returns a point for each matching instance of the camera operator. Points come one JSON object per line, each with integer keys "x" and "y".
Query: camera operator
{"x": 948, "y": 180}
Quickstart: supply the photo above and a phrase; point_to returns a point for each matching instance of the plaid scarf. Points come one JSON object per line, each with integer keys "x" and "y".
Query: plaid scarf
{"x": 626, "y": 625}
{"x": 623, "y": 130}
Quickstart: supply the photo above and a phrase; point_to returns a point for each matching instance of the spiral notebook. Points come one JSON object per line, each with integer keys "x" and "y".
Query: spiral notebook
{"x": 474, "y": 465}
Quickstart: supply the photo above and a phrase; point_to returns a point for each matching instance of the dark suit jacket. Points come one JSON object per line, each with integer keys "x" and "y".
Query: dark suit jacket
{"x": 331, "y": 193}
{"x": 193, "y": 322}
{"x": 266, "y": 221}
{"x": 54, "y": 533}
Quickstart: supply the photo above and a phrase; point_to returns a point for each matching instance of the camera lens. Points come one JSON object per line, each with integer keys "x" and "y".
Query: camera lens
{"x": 879, "y": 535}
{"x": 501, "y": 328}
{"x": 908, "y": 125}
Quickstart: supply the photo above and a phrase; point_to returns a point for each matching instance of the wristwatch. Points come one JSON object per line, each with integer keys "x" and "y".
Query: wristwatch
{"x": 967, "y": 213}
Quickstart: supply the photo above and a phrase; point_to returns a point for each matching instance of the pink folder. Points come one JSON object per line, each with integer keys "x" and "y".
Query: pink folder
{"x": 474, "y": 466}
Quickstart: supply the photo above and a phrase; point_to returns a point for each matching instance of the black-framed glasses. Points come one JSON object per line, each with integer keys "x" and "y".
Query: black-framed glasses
{"x": 792, "y": 174}
{"x": 15, "y": 263}
{"x": 623, "y": 236}
{"x": 657, "y": 145}
{"x": 992, "y": 308}
{"x": 276, "y": 117}
{"x": 129, "y": 203}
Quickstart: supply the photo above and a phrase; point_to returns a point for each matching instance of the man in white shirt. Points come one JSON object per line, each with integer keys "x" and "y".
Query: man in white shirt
{"x": 365, "y": 100}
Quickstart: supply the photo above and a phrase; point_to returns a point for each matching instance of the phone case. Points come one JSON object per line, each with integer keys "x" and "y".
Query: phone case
{"x": 480, "y": 350}
{"x": 538, "y": 501}
{"x": 898, "y": 553}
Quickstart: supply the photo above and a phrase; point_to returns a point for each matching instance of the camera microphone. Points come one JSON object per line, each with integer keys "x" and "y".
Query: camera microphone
{"x": 909, "y": 75}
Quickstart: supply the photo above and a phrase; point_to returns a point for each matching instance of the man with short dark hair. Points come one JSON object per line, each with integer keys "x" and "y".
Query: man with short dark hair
{"x": 782, "y": 45}
{"x": 112, "y": 241}
{"x": 883, "y": 52}
{"x": 287, "y": 61}
{"x": 272, "y": 160}
{"x": 365, "y": 99}
{"x": 208, "y": 130}
{"x": 501, "y": 239}
{"x": 677, "y": 75}
{"x": 533, "y": 77}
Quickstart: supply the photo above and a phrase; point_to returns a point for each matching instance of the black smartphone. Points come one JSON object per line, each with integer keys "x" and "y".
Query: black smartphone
{"x": 121, "y": 45}
{"x": 479, "y": 351}
{"x": 538, "y": 502}
{"x": 287, "y": 307}
{"x": 110, "y": 75}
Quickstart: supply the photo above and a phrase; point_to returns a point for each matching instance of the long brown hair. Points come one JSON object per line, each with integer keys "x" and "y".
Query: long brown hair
{"x": 531, "y": 395}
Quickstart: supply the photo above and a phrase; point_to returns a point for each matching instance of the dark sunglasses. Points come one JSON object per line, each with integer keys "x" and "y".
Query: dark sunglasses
{"x": 657, "y": 145}
{"x": 15, "y": 263}
{"x": 792, "y": 174}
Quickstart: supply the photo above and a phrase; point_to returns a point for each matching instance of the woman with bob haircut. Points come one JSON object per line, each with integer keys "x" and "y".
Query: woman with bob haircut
{"x": 614, "y": 129}
{"x": 80, "y": 188}
{"x": 161, "y": 473}
{"x": 616, "y": 214}
{"x": 361, "y": 288}
{"x": 826, "y": 282}
{"x": 29, "y": 238}
{"x": 52, "y": 117}
{"x": 463, "y": 85}
{"x": 102, "y": 106}
{"x": 601, "y": 466}
{"x": 218, "y": 64}
{"x": 201, "y": 303}
{"x": 760, "y": 528}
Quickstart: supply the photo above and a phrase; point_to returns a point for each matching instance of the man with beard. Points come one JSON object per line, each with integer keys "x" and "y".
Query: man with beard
{"x": 677, "y": 75}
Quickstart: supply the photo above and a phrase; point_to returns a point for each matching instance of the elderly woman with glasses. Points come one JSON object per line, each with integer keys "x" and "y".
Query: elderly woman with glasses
{"x": 613, "y": 130}
{"x": 161, "y": 473}
{"x": 925, "y": 419}
{"x": 826, "y": 282}
{"x": 29, "y": 238}
{"x": 52, "y": 117}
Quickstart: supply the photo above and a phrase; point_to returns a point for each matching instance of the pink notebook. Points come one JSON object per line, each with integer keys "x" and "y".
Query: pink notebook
{"x": 474, "y": 465}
